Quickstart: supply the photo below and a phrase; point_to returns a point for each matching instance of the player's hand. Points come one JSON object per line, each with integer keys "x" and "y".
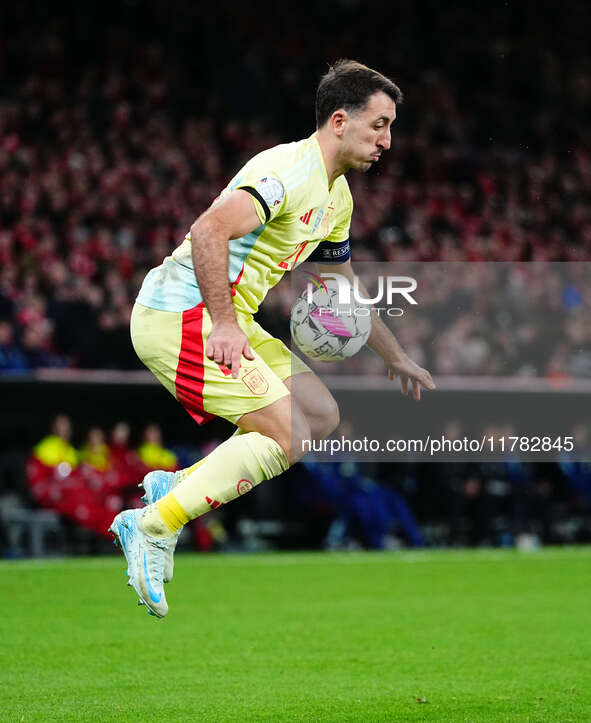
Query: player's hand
{"x": 227, "y": 344}
{"x": 407, "y": 370}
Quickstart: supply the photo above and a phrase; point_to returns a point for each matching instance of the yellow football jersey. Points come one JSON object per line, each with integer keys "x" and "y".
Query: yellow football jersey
{"x": 297, "y": 210}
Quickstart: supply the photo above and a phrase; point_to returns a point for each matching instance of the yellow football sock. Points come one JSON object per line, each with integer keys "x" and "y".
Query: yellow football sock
{"x": 184, "y": 473}
{"x": 174, "y": 518}
{"x": 163, "y": 523}
{"x": 231, "y": 470}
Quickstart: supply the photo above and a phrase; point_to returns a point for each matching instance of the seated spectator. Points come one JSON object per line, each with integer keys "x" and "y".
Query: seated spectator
{"x": 124, "y": 458}
{"x": 127, "y": 468}
{"x": 95, "y": 451}
{"x": 152, "y": 453}
{"x": 56, "y": 447}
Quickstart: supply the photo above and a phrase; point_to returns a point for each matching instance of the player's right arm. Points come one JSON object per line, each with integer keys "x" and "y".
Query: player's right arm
{"x": 229, "y": 218}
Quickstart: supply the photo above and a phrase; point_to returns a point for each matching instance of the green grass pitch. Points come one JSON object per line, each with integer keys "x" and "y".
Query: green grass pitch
{"x": 413, "y": 636}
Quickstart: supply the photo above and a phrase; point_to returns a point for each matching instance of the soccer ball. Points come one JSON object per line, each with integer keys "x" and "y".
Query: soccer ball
{"x": 326, "y": 330}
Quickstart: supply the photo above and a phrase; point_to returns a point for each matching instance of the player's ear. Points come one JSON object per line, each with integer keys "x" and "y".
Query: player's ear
{"x": 338, "y": 121}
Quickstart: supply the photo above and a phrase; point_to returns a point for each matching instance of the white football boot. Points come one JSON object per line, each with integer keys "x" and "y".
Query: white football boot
{"x": 123, "y": 530}
{"x": 145, "y": 559}
{"x": 157, "y": 484}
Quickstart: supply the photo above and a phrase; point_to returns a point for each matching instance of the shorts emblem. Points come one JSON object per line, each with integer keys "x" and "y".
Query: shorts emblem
{"x": 256, "y": 382}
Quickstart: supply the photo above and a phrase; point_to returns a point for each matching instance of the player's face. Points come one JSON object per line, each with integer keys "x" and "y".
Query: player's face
{"x": 367, "y": 132}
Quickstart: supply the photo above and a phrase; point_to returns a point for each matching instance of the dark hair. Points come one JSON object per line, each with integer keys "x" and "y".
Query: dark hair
{"x": 349, "y": 85}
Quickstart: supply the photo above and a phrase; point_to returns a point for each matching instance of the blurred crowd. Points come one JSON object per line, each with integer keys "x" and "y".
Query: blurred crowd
{"x": 331, "y": 506}
{"x": 90, "y": 485}
{"x": 87, "y": 485}
{"x": 520, "y": 319}
{"x": 118, "y": 129}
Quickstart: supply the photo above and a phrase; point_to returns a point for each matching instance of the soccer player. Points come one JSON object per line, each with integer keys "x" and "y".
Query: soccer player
{"x": 192, "y": 324}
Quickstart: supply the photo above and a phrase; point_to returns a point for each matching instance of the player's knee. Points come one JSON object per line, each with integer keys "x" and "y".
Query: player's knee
{"x": 317, "y": 403}
{"x": 291, "y": 436}
{"x": 283, "y": 421}
{"x": 300, "y": 433}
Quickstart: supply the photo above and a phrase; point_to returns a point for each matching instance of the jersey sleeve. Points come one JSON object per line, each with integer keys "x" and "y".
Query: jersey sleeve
{"x": 264, "y": 183}
{"x": 336, "y": 249}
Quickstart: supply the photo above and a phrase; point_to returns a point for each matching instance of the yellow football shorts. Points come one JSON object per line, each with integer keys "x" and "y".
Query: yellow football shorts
{"x": 172, "y": 345}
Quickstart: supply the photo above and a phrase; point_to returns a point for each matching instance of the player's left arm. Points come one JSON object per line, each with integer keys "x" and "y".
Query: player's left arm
{"x": 384, "y": 343}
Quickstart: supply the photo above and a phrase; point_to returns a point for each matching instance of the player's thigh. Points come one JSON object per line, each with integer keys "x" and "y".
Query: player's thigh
{"x": 308, "y": 391}
{"x": 172, "y": 345}
{"x": 156, "y": 338}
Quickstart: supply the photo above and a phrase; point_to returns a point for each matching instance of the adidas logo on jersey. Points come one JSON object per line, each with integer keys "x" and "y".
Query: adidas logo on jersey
{"x": 306, "y": 217}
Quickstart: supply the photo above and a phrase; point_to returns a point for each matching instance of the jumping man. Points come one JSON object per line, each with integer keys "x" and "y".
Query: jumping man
{"x": 193, "y": 327}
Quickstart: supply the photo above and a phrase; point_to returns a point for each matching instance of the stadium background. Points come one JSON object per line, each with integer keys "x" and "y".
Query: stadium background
{"x": 120, "y": 123}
